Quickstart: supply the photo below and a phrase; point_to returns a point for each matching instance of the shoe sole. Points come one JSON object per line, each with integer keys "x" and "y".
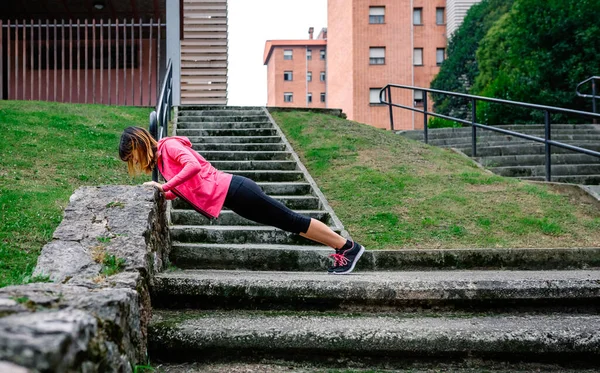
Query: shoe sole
{"x": 362, "y": 250}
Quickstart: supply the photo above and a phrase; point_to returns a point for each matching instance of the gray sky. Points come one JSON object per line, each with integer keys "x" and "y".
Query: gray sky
{"x": 251, "y": 24}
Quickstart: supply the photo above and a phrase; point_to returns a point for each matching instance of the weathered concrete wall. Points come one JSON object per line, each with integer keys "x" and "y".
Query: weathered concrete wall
{"x": 89, "y": 319}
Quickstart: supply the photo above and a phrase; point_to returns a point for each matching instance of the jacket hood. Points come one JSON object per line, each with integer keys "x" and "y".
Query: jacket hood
{"x": 182, "y": 139}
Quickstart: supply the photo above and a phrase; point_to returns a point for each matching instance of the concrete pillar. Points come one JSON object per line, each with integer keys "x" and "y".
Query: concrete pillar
{"x": 174, "y": 47}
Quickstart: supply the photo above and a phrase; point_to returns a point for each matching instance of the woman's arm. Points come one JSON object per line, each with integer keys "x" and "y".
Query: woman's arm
{"x": 183, "y": 156}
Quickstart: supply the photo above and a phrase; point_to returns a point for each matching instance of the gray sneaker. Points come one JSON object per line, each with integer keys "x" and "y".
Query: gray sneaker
{"x": 344, "y": 261}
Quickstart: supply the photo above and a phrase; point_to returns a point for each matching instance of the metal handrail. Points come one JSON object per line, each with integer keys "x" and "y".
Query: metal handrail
{"x": 159, "y": 118}
{"x": 548, "y": 142}
{"x": 593, "y": 96}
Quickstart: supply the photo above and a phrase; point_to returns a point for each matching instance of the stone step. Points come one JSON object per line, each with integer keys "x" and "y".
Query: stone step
{"x": 571, "y": 179}
{"x": 539, "y": 132}
{"x": 227, "y": 132}
{"x": 188, "y": 107}
{"x": 237, "y": 234}
{"x": 255, "y": 165}
{"x": 523, "y": 149}
{"x": 368, "y": 338}
{"x": 245, "y": 156}
{"x": 464, "y": 142}
{"x": 451, "y": 290}
{"x": 308, "y": 258}
{"x": 255, "y": 257}
{"x": 227, "y": 118}
{"x": 228, "y": 217}
{"x": 558, "y": 170}
{"x": 184, "y": 124}
{"x": 220, "y": 112}
{"x": 262, "y": 147}
{"x": 418, "y": 134}
{"x": 234, "y": 139}
{"x": 539, "y": 159}
{"x": 271, "y": 176}
{"x": 307, "y": 202}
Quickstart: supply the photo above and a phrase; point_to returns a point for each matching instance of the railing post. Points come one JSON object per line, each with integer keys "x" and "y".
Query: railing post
{"x": 153, "y": 129}
{"x": 425, "y": 130}
{"x": 594, "y": 98}
{"x": 548, "y": 148}
{"x": 389, "y": 100}
{"x": 474, "y": 128}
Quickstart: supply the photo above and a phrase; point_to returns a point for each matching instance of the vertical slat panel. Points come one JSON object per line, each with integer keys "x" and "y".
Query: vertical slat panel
{"x": 62, "y": 62}
{"x": 78, "y": 62}
{"x": 117, "y": 59}
{"x": 70, "y": 60}
{"x": 94, "y": 61}
{"x": 8, "y": 50}
{"x": 47, "y": 59}
{"x": 132, "y": 63}
{"x": 31, "y": 71}
{"x": 55, "y": 64}
{"x": 109, "y": 60}
{"x": 1, "y": 60}
{"x": 39, "y": 60}
{"x": 24, "y": 62}
{"x": 101, "y": 61}
{"x": 125, "y": 60}
{"x": 150, "y": 46}
{"x": 16, "y": 59}
{"x": 158, "y": 61}
{"x": 141, "y": 64}
{"x": 85, "y": 66}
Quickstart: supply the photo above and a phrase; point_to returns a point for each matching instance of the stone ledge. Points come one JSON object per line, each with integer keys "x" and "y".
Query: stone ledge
{"x": 90, "y": 320}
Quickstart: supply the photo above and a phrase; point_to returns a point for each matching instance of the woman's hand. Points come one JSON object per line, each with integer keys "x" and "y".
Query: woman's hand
{"x": 155, "y": 185}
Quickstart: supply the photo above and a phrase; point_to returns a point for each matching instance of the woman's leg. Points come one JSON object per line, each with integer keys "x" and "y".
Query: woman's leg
{"x": 320, "y": 232}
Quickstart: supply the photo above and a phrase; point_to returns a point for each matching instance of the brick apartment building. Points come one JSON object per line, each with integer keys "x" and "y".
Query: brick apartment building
{"x": 296, "y": 71}
{"x": 368, "y": 44}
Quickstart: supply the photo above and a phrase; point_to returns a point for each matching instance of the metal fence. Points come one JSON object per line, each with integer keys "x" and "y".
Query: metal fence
{"x": 109, "y": 62}
{"x": 385, "y": 97}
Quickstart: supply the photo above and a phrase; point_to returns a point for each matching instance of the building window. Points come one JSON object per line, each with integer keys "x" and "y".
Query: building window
{"x": 287, "y": 54}
{"x": 309, "y": 54}
{"x": 287, "y": 75}
{"x": 374, "y": 95}
{"x": 322, "y": 76}
{"x": 440, "y": 56}
{"x": 418, "y": 16}
{"x": 439, "y": 16}
{"x": 376, "y": 14}
{"x": 322, "y": 97}
{"x": 377, "y": 56}
{"x": 309, "y": 76}
{"x": 309, "y": 98}
{"x": 322, "y": 54}
{"x": 418, "y": 97}
{"x": 418, "y": 57}
{"x": 288, "y": 97}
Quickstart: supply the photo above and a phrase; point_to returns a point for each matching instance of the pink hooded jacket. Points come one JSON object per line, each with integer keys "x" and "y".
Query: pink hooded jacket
{"x": 191, "y": 177}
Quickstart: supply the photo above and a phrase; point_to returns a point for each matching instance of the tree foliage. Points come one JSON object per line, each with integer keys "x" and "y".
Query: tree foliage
{"x": 538, "y": 52}
{"x": 459, "y": 70}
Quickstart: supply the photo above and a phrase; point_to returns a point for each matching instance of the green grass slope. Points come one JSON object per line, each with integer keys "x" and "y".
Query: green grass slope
{"x": 391, "y": 192}
{"x": 46, "y": 152}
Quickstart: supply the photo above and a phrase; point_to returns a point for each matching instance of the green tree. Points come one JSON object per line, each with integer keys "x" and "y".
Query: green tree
{"x": 537, "y": 53}
{"x": 459, "y": 70}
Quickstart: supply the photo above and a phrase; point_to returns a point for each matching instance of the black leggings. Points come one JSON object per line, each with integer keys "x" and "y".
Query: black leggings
{"x": 246, "y": 199}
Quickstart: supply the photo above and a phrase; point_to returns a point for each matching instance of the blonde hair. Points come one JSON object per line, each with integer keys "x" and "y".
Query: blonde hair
{"x": 137, "y": 144}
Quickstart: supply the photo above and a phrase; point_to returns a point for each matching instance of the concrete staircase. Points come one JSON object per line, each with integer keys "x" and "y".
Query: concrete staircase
{"x": 515, "y": 157}
{"x": 248, "y": 293}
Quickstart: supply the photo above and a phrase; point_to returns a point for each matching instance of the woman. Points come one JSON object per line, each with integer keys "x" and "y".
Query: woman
{"x": 192, "y": 178}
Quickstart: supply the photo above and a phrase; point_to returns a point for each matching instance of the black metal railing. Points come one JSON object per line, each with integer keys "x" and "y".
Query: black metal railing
{"x": 159, "y": 119}
{"x": 547, "y": 140}
{"x": 593, "y": 96}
